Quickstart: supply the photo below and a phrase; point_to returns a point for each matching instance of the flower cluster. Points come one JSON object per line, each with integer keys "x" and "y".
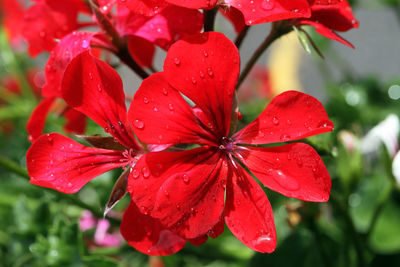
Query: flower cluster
{"x": 187, "y": 168}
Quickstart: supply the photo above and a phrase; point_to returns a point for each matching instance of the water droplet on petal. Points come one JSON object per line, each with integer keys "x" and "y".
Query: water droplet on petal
{"x": 90, "y": 76}
{"x": 275, "y": 120}
{"x": 210, "y": 72}
{"x": 268, "y": 4}
{"x": 135, "y": 173}
{"x": 145, "y": 100}
{"x": 165, "y": 92}
{"x": 177, "y": 61}
{"x": 170, "y": 107}
{"x": 201, "y": 74}
{"x": 138, "y": 124}
{"x": 99, "y": 88}
{"x": 186, "y": 178}
{"x": 145, "y": 172}
{"x": 285, "y": 181}
{"x": 194, "y": 81}
{"x": 285, "y": 137}
{"x": 85, "y": 44}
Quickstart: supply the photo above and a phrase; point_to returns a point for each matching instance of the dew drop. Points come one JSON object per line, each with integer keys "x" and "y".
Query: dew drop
{"x": 205, "y": 53}
{"x": 186, "y": 178}
{"x": 138, "y": 124}
{"x": 165, "y": 92}
{"x": 194, "y": 81}
{"x": 267, "y": 4}
{"x": 144, "y": 210}
{"x": 135, "y": 174}
{"x": 145, "y": 172}
{"x": 285, "y": 137}
{"x": 170, "y": 107}
{"x": 90, "y": 76}
{"x": 275, "y": 120}
{"x": 177, "y": 61}
{"x": 99, "y": 88}
{"x": 201, "y": 74}
{"x": 210, "y": 72}
{"x": 85, "y": 44}
{"x": 155, "y": 109}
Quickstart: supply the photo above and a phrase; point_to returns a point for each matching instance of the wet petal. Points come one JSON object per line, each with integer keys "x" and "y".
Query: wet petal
{"x": 248, "y": 213}
{"x": 205, "y": 68}
{"x": 290, "y": 116}
{"x": 185, "y": 190}
{"x": 147, "y": 235}
{"x": 37, "y": 120}
{"x": 261, "y": 11}
{"x": 158, "y": 108}
{"x": 94, "y": 88}
{"x": 60, "y": 163}
{"x": 294, "y": 170}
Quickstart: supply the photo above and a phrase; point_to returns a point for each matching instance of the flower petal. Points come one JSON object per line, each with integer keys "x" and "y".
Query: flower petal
{"x": 327, "y": 32}
{"x": 67, "y": 49}
{"x": 60, "y": 163}
{"x": 75, "y": 121}
{"x": 141, "y": 50}
{"x": 147, "y": 235}
{"x": 294, "y": 170}
{"x": 144, "y": 7}
{"x": 261, "y": 11}
{"x": 235, "y": 17}
{"x": 37, "y": 120}
{"x": 248, "y": 213}
{"x": 185, "y": 190}
{"x": 92, "y": 87}
{"x": 205, "y": 68}
{"x": 290, "y": 116}
{"x": 160, "y": 115}
{"x": 163, "y": 29}
{"x": 195, "y": 4}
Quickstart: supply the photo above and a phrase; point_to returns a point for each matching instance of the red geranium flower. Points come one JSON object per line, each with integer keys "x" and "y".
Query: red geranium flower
{"x": 254, "y": 12}
{"x": 58, "y": 162}
{"x": 193, "y": 192}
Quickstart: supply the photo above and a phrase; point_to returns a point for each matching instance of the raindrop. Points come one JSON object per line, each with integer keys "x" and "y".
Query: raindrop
{"x": 285, "y": 181}
{"x": 155, "y": 109}
{"x": 267, "y": 4}
{"x": 177, "y": 61}
{"x": 85, "y": 44}
{"x": 146, "y": 172}
{"x": 210, "y": 72}
{"x": 194, "y": 80}
{"x": 99, "y": 88}
{"x": 90, "y": 76}
{"x": 170, "y": 107}
{"x": 275, "y": 120}
{"x": 186, "y": 178}
{"x": 165, "y": 92}
{"x": 205, "y": 53}
{"x": 145, "y": 100}
{"x": 201, "y": 74}
{"x": 285, "y": 137}
{"x": 138, "y": 124}
{"x": 135, "y": 174}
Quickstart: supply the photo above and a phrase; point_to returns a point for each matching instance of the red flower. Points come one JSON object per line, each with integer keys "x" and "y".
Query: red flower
{"x": 254, "y": 12}
{"x": 58, "y": 162}
{"x": 328, "y": 16}
{"x": 193, "y": 192}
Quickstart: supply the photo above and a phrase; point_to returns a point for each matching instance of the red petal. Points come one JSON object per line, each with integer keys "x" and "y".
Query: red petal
{"x": 334, "y": 14}
{"x": 60, "y": 163}
{"x": 163, "y": 29}
{"x": 261, "y": 11}
{"x": 94, "y": 88}
{"x": 290, "y": 116}
{"x": 144, "y": 7}
{"x": 37, "y": 120}
{"x": 294, "y": 170}
{"x": 235, "y": 17}
{"x": 248, "y": 213}
{"x": 76, "y": 121}
{"x": 67, "y": 49}
{"x": 185, "y": 190}
{"x": 205, "y": 68}
{"x": 194, "y": 4}
{"x": 147, "y": 235}
{"x": 141, "y": 50}
{"x": 325, "y": 31}
{"x": 46, "y": 21}
{"x": 160, "y": 115}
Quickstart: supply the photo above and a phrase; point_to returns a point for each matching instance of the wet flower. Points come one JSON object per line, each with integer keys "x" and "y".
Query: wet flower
{"x": 193, "y": 192}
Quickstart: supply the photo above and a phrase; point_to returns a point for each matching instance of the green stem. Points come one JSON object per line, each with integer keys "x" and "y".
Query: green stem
{"x": 277, "y": 30}
{"x": 13, "y": 167}
{"x": 241, "y": 36}
{"x": 209, "y": 19}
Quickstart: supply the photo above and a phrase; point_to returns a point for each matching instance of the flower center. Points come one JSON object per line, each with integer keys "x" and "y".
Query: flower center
{"x": 130, "y": 157}
{"x": 226, "y": 144}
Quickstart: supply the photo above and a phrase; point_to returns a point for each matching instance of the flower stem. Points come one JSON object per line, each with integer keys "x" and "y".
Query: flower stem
{"x": 15, "y": 168}
{"x": 209, "y": 19}
{"x": 241, "y": 36}
{"x": 277, "y": 30}
{"x": 119, "y": 43}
